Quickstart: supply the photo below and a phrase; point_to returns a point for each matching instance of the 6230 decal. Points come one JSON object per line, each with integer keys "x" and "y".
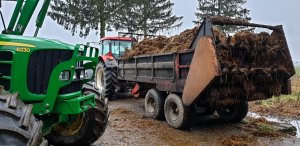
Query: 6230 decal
{"x": 26, "y": 50}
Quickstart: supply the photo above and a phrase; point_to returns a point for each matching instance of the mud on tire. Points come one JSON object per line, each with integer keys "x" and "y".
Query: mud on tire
{"x": 234, "y": 113}
{"x": 105, "y": 80}
{"x": 154, "y": 104}
{"x": 18, "y": 126}
{"x": 94, "y": 123}
{"x": 176, "y": 113}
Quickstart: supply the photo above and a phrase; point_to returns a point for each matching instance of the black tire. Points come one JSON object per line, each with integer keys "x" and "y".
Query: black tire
{"x": 209, "y": 111}
{"x": 18, "y": 126}
{"x": 176, "y": 113}
{"x": 234, "y": 113}
{"x": 94, "y": 123}
{"x": 105, "y": 80}
{"x": 154, "y": 104}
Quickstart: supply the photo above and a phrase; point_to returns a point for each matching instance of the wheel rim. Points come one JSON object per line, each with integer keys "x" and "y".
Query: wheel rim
{"x": 70, "y": 129}
{"x": 173, "y": 111}
{"x": 150, "y": 105}
{"x": 100, "y": 80}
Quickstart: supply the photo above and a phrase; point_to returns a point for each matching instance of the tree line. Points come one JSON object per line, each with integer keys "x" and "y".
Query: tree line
{"x": 138, "y": 16}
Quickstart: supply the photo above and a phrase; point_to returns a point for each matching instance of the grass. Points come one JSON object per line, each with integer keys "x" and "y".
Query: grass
{"x": 293, "y": 98}
{"x": 266, "y": 128}
{"x": 297, "y": 71}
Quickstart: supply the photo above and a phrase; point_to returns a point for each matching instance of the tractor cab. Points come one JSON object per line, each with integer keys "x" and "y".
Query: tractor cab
{"x": 116, "y": 46}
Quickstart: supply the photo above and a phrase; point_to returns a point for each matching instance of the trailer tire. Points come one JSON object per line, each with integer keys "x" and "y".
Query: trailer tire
{"x": 209, "y": 111}
{"x": 94, "y": 123}
{"x": 18, "y": 126}
{"x": 176, "y": 113}
{"x": 234, "y": 113}
{"x": 154, "y": 104}
{"x": 105, "y": 80}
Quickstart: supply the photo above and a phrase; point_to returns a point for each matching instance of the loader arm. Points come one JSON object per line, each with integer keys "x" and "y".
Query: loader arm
{"x": 22, "y": 15}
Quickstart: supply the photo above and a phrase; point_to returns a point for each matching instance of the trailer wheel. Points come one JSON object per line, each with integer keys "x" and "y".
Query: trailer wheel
{"x": 105, "y": 80}
{"x": 234, "y": 113}
{"x": 85, "y": 129}
{"x": 18, "y": 126}
{"x": 176, "y": 113}
{"x": 154, "y": 104}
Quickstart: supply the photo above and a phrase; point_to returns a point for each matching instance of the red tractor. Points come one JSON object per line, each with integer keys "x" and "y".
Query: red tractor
{"x": 106, "y": 70}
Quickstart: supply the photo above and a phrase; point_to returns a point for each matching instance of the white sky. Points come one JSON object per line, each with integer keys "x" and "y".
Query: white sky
{"x": 273, "y": 12}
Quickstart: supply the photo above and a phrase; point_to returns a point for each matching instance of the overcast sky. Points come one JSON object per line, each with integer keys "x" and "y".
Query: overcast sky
{"x": 262, "y": 11}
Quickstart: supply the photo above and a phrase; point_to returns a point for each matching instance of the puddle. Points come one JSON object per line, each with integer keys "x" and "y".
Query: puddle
{"x": 295, "y": 123}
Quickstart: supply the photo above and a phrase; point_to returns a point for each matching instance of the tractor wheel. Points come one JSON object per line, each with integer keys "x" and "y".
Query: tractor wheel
{"x": 85, "y": 129}
{"x": 154, "y": 104}
{"x": 234, "y": 113}
{"x": 105, "y": 80}
{"x": 18, "y": 126}
{"x": 176, "y": 113}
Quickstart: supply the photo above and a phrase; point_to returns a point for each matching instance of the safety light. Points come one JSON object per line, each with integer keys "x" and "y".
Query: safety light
{"x": 64, "y": 76}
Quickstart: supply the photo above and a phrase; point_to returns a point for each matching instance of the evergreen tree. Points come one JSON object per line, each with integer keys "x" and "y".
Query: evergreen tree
{"x": 82, "y": 15}
{"x": 145, "y": 16}
{"x": 229, "y": 8}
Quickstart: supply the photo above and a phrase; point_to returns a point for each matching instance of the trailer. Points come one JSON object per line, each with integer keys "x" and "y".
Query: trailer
{"x": 183, "y": 84}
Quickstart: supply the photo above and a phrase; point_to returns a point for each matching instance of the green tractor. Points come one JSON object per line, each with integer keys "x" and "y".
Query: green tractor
{"x": 43, "y": 97}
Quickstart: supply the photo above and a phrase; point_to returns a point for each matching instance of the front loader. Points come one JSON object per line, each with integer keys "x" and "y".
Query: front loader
{"x": 42, "y": 95}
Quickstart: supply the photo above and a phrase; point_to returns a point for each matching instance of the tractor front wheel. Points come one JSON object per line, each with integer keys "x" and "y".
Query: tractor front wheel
{"x": 84, "y": 128}
{"x": 18, "y": 126}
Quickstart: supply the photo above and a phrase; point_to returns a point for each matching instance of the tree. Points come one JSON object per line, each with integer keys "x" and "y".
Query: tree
{"x": 145, "y": 16}
{"x": 82, "y": 15}
{"x": 229, "y": 8}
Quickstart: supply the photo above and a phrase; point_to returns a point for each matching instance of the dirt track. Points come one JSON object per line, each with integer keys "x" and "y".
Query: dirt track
{"x": 128, "y": 126}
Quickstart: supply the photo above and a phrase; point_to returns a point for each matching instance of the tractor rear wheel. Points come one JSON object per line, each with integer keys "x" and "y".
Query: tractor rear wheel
{"x": 85, "y": 128}
{"x": 18, "y": 126}
{"x": 154, "y": 104}
{"x": 234, "y": 113}
{"x": 105, "y": 80}
{"x": 176, "y": 113}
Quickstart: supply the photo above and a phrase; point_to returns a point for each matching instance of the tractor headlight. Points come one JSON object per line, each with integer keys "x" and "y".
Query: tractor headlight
{"x": 64, "y": 76}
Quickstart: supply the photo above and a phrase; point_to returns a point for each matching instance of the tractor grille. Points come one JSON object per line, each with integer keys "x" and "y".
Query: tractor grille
{"x": 40, "y": 66}
{"x": 73, "y": 87}
{"x": 6, "y": 61}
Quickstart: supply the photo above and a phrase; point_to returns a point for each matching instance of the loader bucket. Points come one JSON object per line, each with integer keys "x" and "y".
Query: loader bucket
{"x": 204, "y": 68}
{"x": 245, "y": 65}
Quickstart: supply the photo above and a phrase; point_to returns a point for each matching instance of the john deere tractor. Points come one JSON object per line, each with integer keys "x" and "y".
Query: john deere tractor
{"x": 42, "y": 94}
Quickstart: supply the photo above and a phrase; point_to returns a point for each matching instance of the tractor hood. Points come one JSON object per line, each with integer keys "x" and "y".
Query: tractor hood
{"x": 33, "y": 42}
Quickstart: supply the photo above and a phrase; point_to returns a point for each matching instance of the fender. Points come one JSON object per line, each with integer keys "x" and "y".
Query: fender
{"x": 109, "y": 61}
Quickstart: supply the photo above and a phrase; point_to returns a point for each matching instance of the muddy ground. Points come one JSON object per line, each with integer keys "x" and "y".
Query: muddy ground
{"x": 128, "y": 126}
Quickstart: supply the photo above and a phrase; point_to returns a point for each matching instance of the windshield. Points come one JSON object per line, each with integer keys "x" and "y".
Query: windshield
{"x": 117, "y": 48}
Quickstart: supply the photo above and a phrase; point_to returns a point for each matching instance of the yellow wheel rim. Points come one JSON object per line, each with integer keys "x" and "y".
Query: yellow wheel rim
{"x": 70, "y": 129}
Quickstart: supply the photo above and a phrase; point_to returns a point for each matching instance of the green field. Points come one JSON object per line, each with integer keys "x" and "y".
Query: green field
{"x": 297, "y": 70}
